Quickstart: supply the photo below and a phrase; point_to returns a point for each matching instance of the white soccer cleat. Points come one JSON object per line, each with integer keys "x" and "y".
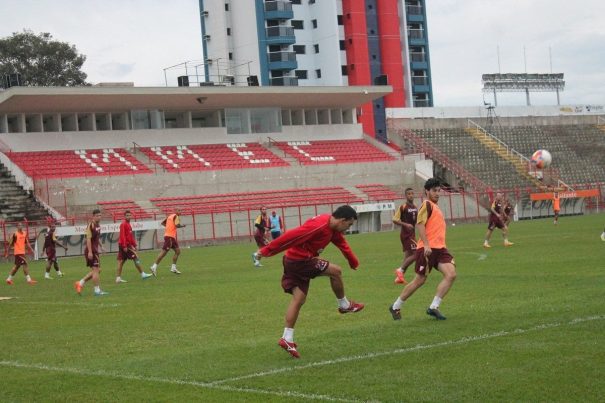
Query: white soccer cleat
{"x": 175, "y": 271}
{"x": 603, "y": 236}
{"x": 256, "y": 260}
{"x": 154, "y": 271}
{"x": 145, "y": 276}
{"x": 120, "y": 280}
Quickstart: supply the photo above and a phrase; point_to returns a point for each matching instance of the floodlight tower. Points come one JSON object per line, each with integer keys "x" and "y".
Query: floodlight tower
{"x": 524, "y": 82}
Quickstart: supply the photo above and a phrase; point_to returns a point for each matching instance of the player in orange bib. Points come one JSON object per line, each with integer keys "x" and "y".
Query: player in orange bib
{"x": 431, "y": 253}
{"x": 172, "y": 222}
{"x": 556, "y": 206}
{"x": 19, "y": 241}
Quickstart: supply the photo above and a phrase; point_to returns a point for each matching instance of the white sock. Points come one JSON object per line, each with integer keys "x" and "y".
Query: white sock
{"x": 343, "y": 303}
{"x": 82, "y": 282}
{"x": 397, "y": 304}
{"x": 288, "y": 334}
{"x": 118, "y": 278}
{"x": 436, "y": 302}
{"x": 10, "y": 277}
{"x": 154, "y": 266}
{"x": 97, "y": 289}
{"x": 173, "y": 267}
{"x": 28, "y": 278}
{"x": 486, "y": 242}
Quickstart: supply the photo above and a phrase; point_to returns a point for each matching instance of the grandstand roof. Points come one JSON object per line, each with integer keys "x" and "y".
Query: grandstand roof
{"x": 106, "y": 99}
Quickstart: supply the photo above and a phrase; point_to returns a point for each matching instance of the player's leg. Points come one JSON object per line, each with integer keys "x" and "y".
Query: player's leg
{"x": 137, "y": 264}
{"x": 449, "y": 276}
{"x": 488, "y": 235}
{"x": 296, "y": 303}
{"x": 29, "y": 280}
{"x": 11, "y": 274}
{"x": 418, "y": 281}
{"x": 505, "y": 236}
{"x": 96, "y": 280}
{"x": 175, "y": 258}
{"x": 154, "y": 266}
{"x": 344, "y": 305}
{"x": 119, "y": 271}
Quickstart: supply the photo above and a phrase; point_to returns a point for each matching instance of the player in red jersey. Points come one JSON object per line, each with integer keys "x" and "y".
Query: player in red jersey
{"x": 496, "y": 220}
{"x": 431, "y": 253}
{"x": 128, "y": 249}
{"x": 92, "y": 255}
{"x": 302, "y": 263}
{"x": 19, "y": 241}
{"x": 405, "y": 216}
{"x": 50, "y": 249}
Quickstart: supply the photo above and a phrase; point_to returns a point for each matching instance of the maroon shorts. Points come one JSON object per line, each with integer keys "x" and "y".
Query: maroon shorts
{"x": 20, "y": 260}
{"x": 51, "y": 254}
{"x": 494, "y": 222}
{"x": 94, "y": 262}
{"x": 123, "y": 256}
{"x": 408, "y": 243}
{"x": 260, "y": 239}
{"x": 298, "y": 273}
{"x": 170, "y": 243}
{"x": 437, "y": 256}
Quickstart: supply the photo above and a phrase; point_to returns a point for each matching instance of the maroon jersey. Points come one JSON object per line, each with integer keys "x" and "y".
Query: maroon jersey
{"x": 407, "y": 213}
{"x": 309, "y": 240}
{"x": 93, "y": 232}
{"x": 49, "y": 239}
{"x": 498, "y": 207}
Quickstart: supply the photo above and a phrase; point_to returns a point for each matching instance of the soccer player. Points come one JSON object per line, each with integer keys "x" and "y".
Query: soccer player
{"x": 431, "y": 253}
{"x": 405, "y": 217}
{"x": 508, "y": 210}
{"x": 19, "y": 241}
{"x": 172, "y": 223}
{"x": 556, "y": 206}
{"x": 262, "y": 224}
{"x": 128, "y": 249}
{"x": 277, "y": 225}
{"x": 603, "y": 235}
{"x": 92, "y": 254}
{"x": 50, "y": 248}
{"x": 496, "y": 220}
{"x": 301, "y": 264}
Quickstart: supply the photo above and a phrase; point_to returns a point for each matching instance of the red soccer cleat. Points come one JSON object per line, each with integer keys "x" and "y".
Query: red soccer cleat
{"x": 78, "y": 287}
{"x": 9, "y": 281}
{"x": 290, "y": 347}
{"x": 353, "y": 307}
{"x": 400, "y": 279}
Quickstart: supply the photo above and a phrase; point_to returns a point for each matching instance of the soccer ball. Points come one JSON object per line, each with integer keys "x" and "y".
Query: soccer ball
{"x": 541, "y": 159}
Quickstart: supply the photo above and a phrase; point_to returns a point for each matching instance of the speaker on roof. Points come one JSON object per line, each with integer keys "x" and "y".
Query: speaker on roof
{"x": 252, "y": 81}
{"x": 183, "y": 81}
{"x": 381, "y": 80}
{"x": 12, "y": 80}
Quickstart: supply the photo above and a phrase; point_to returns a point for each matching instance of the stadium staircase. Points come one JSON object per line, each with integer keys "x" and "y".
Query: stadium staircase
{"x": 16, "y": 203}
{"x": 600, "y": 123}
{"x": 516, "y": 159}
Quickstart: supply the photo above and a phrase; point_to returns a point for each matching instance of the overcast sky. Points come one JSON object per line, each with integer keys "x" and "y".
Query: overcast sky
{"x": 134, "y": 40}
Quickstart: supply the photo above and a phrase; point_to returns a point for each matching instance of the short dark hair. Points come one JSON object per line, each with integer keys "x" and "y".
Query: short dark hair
{"x": 432, "y": 183}
{"x": 347, "y": 212}
{"x": 127, "y": 212}
{"x": 96, "y": 211}
{"x": 407, "y": 190}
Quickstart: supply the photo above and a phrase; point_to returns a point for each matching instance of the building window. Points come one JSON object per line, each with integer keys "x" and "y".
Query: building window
{"x": 311, "y": 1}
{"x": 314, "y": 23}
{"x": 297, "y": 24}
{"x": 226, "y": 6}
{"x": 300, "y": 49}
{"x": 343, "y": 70}
{"x": 370, "y": 7}
{"x": 342, "y": 44}
{"x": 318, "y": 73}
{"x": 230, "y": 55}
{"x": 339, "y": 20}
{"x": 228, "y": 31}
{"x": 301, "y": 74}
{"x": 316, "y": 48}
{"x": 295, "y": 1}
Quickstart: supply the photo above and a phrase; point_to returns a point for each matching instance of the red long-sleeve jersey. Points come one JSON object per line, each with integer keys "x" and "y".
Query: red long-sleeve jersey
{"x": 126, "y": 236}
{"x": 309, "y": 240}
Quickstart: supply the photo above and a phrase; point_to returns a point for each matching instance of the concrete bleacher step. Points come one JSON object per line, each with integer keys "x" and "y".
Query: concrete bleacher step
{"x": 16, "y": 203}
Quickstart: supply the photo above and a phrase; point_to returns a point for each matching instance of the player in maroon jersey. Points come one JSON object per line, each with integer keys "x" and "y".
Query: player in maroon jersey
{"x": 496, "y": 220}
{"x": 92, "y": 255}
{"x": 405, "y": 217}
{"x": 302, "y": 263}
{"x": 50, "y": 249}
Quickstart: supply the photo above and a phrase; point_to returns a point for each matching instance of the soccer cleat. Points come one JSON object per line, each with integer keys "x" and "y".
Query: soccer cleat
{"x": 101, "y": 293}
{"x": 175, "y": 271}
{"x": 396, "y": 313}
{"x": 353, "y": 307}
{"x": 435, "y": 313}
{"x": 48, "y": 278}
{"x": 290, "y": 347}
{"x": 487, "y": 246}
{"x": 145, "y": 276}
{"x": 399, "y": 279}
{"x": 119, "y": 280}
{"x": 60, "y": 274}
{"x": 154, "y": 271}
{"x": 603, "y": 236}
{"x": 32, "y": 282}
{"x": 256, "y": 260}
{"x": 9, "y": 281}
{"x": 78, "y": 287}
{"x": 508, "y": 243}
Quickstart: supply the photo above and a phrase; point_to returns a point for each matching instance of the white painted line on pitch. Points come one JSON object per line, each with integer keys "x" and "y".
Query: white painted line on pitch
{"x": 480, "y": 256}
{"x": 464, "y": 340}
{"x": 86, "y": 304}
{"x": 86, "y": 372}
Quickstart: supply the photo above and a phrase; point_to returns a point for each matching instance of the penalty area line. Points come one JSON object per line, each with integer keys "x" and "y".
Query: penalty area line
{"x": 419, "y": 347}
{"x": 206, "y": 385}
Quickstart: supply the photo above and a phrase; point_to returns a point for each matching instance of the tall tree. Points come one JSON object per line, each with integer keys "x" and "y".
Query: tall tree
{"x": 40, "y": 60}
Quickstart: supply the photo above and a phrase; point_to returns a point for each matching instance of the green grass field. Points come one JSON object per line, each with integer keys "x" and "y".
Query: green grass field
{"x": 525, "y": 323}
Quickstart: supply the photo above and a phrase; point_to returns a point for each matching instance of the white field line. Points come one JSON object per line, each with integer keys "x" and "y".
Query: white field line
{"x": 86, "y": 304}
{"x": 206, "y": 385}
{"x": 464, "y": 340}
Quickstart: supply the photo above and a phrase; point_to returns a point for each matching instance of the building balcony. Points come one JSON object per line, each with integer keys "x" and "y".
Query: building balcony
{"x": 418, "y": 61}
{"x": 282, "y": 61}
{"x": 420, "y": 80}
{"x": 414, "y": 14}
{"x": 284, "y": 81}
{"x": 422, "y": 103}
{"x": 280, "y": 35}
{"x": 278, "y": 10}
